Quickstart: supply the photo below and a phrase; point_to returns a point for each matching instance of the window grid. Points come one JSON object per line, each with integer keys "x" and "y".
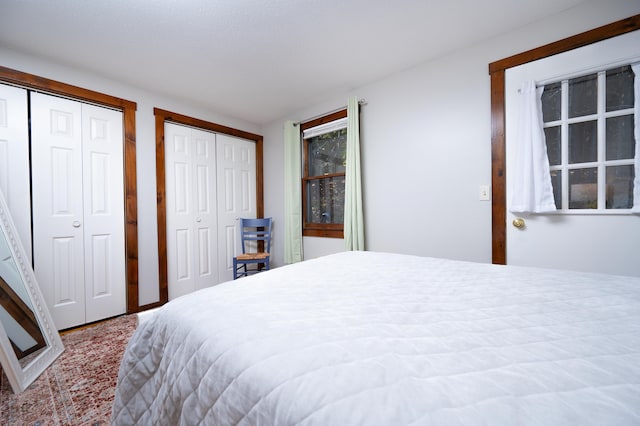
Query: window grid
{"x": 334, "y": 227}
{"x": 601, "y": 164}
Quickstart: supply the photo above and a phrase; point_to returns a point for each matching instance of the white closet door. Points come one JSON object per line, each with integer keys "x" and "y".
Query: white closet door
{"x": 14, "y": 159}
{"x": 103, "y": 201}
{"x": 205, "y": 226}
{"x": 190, "y": 208}
{"x": 78, "y": 209}
{"x": 236, "y": 196}
{"x": 56, "y": 156}
{"x": 179, "y": 200}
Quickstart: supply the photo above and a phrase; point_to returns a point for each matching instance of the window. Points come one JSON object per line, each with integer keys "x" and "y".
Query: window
{"x": 588, "y": 125}
{"x": 324, "y": 163}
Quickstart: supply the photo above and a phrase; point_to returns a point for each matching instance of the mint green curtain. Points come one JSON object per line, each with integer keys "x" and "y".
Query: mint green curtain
{"x": 353, "y": 214}
{"x": 636, "y": 111}
{"x": 292, "y": 194}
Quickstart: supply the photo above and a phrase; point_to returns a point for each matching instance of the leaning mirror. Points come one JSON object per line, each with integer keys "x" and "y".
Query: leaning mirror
{"x": 29, "y": 342}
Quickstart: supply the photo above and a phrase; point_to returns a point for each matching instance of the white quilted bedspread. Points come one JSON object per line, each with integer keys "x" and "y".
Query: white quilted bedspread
{"x": 363, "y": 338}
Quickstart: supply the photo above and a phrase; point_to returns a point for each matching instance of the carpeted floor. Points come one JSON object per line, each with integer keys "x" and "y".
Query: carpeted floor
{"x": 78, "y": 388}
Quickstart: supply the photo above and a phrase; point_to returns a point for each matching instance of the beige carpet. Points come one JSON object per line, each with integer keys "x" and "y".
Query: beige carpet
{"x": 78, "y": 388}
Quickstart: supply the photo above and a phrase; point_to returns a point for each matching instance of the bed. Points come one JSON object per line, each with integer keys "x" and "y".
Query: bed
{"x": 365, "y": 338}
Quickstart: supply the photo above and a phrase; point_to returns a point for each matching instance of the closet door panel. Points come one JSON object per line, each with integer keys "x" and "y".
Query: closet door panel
{"x": 57, "y": 206}
{"x": 103, "y": 186}
{"x": 204, "y": 265}
{"x": 183, "y": 254}
{"x": 191, "y": 213}
{"x": 178, "y": 166}
{"x": 65, "y": 279}
{"x": 78, "y": 209}
{"x": 230, "y": 247}
{"x": 236, "y": 169}
{"x": 210, "y": 183}
{"x": 14, "y": 159}
{"x": 205, "y": 219}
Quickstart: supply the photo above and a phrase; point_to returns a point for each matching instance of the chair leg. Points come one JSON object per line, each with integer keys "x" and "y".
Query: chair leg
{"x": 235, "y": 268}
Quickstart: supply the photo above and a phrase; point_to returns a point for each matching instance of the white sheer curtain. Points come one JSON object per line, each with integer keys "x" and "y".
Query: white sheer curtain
{"x": 292, "y": 194}
{"x": 636, "y": 113}
{"x": 353, "y": 212}
{"x": 532, "y": 191}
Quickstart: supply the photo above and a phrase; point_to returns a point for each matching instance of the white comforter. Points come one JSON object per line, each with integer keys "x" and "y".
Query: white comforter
{"x": 363, "y": 338}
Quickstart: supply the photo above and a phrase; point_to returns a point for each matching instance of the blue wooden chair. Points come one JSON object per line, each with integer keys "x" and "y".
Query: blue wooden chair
{"x": 255, "y": 235}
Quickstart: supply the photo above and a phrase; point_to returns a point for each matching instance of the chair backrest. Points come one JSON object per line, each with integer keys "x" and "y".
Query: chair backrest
{"x": 256, "y": 230}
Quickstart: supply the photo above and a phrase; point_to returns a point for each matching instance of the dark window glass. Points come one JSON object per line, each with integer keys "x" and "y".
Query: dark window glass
{"x": 554, "y": 148}
{"x": 620, "y": 141}
{"x": 325, "y": 200}
{"x": 620, "y": 88}
{"x": 583, "y": 188}
{"x": 328, "y": 153}
{"x": 620, "y": 187}
{"x": 556, "y": 181}
{"x": 551, "y": 102}
{"x": 583, "y": 142}
{"x": 583, "y": 95}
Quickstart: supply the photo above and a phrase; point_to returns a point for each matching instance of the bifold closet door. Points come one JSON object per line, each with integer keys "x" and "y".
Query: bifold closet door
{"x": 236, "y": 171}
{"x": 14, "y": 159}
{"x": 190, "y": 182}
{"x": 78, "y": 209}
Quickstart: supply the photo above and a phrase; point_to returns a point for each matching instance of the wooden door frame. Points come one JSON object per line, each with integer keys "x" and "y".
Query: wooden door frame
{"x": 162, "y": 117}
{"x": 128, "y": 108}
{"x": 498, "y": 139}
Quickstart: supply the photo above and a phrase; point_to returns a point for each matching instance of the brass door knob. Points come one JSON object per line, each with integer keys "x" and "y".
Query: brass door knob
{"x": 518, "y": 222}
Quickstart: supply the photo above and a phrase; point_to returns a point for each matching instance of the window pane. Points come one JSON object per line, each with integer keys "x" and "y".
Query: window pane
{"x": 620, "y": 187}
{"x": 583, "y": 95}
{"x": 552, "y": 137}
{"x": 583, "y": 188}
{"x": 551, "y": 101}
{"x": 620, "y": 88}
{"x": 325, "y": 200}
{"x": 583, "y": 142}
{"x": 620, "y": 140}
{"x": 327, "y": 153}
{"x": 556, "y": 181}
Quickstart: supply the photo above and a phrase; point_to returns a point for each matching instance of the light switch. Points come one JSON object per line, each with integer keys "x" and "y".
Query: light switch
{"x": 485, "y": 193}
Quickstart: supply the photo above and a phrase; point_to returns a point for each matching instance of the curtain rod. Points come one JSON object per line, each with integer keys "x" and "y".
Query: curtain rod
{"x": 361, "y": 102}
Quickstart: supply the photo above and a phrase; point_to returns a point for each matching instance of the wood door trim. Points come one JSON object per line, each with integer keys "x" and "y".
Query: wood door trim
{"x": 163, "y": 116}
{"x": 128, "y": 108}
{"x": 498, "y": 139}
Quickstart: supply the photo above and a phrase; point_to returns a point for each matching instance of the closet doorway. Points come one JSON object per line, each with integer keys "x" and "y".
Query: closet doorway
{"x": 78, "y": 209}
{"x": 18, "y": 168}
{"x": 208, "y": 176}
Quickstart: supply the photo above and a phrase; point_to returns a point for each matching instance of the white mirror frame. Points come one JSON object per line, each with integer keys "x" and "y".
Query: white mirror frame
{"x": 20, "y": 376}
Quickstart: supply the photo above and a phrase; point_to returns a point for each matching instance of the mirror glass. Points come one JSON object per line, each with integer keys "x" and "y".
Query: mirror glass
{"x": 29, "y": 342}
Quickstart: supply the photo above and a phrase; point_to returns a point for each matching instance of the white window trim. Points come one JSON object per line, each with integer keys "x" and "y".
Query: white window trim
{"x": 601, "y": 163}
{"x": 332, "y": 126}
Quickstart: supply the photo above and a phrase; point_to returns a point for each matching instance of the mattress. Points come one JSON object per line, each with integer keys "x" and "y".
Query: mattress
{"x": 364, "y": 338}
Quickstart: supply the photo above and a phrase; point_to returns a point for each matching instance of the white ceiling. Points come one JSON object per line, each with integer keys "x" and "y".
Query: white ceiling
{"x": 256, "y": 60}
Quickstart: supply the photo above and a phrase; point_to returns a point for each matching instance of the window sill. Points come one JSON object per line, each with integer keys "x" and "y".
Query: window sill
{"x": 324, "y": 233}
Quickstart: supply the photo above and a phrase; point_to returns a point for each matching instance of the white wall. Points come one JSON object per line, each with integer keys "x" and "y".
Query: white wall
{"x": 145, "y": 148}
{"x": 426, "y": 145}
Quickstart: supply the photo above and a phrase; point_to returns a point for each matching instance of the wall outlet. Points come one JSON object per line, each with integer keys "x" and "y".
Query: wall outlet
{"x": 485, "y": 193}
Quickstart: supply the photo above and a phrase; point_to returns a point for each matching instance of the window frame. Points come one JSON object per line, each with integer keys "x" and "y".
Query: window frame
{"x": 309, "y": 229}
{"x": 600, "y": 164}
